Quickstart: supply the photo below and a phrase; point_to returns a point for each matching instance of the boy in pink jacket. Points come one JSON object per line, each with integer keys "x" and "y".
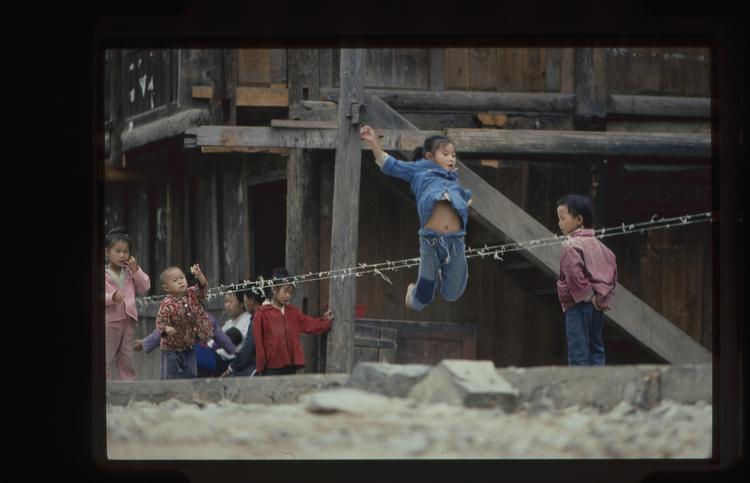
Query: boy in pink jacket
{"x": 122, "y": 279}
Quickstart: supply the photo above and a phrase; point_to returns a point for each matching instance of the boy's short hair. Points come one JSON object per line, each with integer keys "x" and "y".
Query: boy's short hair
{"x": 579, "y": 205}
{"x": 163, "y": 275}
{"x": 234, "y": 335}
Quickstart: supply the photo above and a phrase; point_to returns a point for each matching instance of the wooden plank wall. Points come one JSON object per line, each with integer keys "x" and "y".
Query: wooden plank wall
{"x": 668, "y": 71}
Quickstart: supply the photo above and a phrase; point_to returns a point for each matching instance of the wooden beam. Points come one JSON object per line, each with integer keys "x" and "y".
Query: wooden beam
{"x": 242, "y": 149}
{"x": 496, "y": 142}
{"x": 163, "y": 128}
{"x": 408, "y": 100}
{"x": 659, "y": 106}
{"x": 590, "y": 113}
{"x": 262, "y": 97}
{"x": 344, "y": 232}
{"x": 631, "y": 105}
{"x": 291, "y": 123}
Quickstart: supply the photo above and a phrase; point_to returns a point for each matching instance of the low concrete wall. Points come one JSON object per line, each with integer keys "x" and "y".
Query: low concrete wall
{"x": 559, "y": 386}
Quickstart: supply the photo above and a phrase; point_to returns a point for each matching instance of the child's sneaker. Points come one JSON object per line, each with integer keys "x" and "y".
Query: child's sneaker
{"x": 410, "y": 295}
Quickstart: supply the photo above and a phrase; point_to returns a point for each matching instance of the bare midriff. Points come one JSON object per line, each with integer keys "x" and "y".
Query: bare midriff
{"x": 444, "y": 218}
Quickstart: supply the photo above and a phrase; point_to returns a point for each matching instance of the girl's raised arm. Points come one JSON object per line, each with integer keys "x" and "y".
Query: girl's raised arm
{"x": 368, "y": 135}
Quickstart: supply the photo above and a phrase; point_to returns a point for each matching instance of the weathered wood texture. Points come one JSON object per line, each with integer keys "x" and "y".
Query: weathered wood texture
{"x": 234, "y": 229}
{"x": 590, "y": 111}
{"x": 663, "y": 71}
{"x": 517, "y": 143}
{"x": 205, "y": 223}
{"x": 345, "y": 213}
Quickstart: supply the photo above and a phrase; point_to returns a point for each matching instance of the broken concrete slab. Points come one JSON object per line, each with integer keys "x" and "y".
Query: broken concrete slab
{"x": 688, "y": 383}
{"x": 467, "y": 383}
{"x": 255, "y": 390}
{"x": 346, "y": 400}
{"x": 602, "y": 387}
{"x": 395, "y": 380}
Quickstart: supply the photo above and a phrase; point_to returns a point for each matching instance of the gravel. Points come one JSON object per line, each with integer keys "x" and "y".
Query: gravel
{"x": 349, "y": 423}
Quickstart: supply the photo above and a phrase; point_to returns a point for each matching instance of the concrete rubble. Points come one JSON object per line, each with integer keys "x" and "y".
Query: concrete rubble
{"x": 456, "y": 409}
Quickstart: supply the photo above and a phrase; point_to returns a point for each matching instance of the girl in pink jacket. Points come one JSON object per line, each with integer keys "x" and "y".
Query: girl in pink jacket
{"x": 122, "y": 278}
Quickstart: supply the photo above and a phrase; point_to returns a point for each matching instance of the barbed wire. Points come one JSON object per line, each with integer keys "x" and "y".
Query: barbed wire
{"x": 497, "y": 252}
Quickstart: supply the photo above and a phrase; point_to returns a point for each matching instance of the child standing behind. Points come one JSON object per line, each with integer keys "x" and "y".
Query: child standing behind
{"x": 180, "y": 320}
{"x": 443, "y": 209}
{"x": 122, "y": 278}
{"x": 276, "y": 330}
{"x": 588, "y": 275}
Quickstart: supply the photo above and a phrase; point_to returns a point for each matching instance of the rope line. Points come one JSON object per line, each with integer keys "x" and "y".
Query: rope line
{"x": 495, "y": 251}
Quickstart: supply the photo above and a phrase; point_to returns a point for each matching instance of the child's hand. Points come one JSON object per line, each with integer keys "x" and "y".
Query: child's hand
{"x": 117, "y": 297}
{"x": 595, "y": 302}
{"x": 328, "y": 314}
{"x": 170, "y": 330}
{"x": 138, "y": 345}
{"x": 368, "y": 134}
{"x": 132, "y": 264}
{"x": 225, "y": 373}
{"x": 196, "y": 270}
{"x": 468, "y": 203}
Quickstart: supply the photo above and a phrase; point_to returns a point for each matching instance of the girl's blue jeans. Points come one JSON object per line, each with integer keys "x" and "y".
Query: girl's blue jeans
{"x": 442, "y": 259}
{"x": 583, "y": 328}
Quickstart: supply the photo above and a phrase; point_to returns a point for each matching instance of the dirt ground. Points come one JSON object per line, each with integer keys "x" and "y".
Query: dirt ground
{"x": 360, "y": 425}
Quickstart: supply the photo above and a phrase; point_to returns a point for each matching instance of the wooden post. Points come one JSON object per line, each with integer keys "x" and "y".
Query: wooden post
{"x": 115, "y": 106}
{"x": 591, "y": 115}
{"x": 216, "y": 106}
{"x": 591, "y": 90}
{"x": 340, "y": 347}
{"x": 230, "y": 84}
{"x": 302, "y": 212}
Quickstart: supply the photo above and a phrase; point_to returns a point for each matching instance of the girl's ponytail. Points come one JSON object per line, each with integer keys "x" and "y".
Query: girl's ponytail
{"x": 417, "y": 153}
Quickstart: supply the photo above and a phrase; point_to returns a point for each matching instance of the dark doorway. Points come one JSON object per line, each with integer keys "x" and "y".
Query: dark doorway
{"x": 268, "y": 227}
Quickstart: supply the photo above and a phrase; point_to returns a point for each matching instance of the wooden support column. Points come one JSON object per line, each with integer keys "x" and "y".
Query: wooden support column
{"x": 340, "y": 346}
{"x": 230, "y": 84}
{"x": 591, "y": 115}
{"x": 302, "y": 207}
{"x": 216, "y": 105}
{"x": 591, "y": 90}
{"x": 115, "y": 106}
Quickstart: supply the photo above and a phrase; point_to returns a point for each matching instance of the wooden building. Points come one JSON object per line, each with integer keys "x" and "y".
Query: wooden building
{"x": 229, "y": 158}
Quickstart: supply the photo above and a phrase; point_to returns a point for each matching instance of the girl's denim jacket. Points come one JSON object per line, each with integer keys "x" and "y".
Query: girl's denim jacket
{"x": 429, "y": 182}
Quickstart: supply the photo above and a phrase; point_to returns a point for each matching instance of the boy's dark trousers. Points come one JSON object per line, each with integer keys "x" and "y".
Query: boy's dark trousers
{"x": 583, "y": 328}
{"x": 179, "y": 364}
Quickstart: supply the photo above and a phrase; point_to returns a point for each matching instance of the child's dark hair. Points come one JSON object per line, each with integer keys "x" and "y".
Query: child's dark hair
{"x": 579, "y": 205}
{"x": 237, "y": 294}
{"x": 431, "y": 144}
{"x": 116, "y": 234}
{"x": 247, "y": 292}
{"x": 279, "y": 276}
{"x": 234, "y": 335}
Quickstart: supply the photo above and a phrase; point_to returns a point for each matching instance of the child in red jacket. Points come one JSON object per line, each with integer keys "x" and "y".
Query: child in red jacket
{"x": 276, "y": 329}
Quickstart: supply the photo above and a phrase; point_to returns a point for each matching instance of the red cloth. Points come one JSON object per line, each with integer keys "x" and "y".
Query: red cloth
{"x": 587, "y": 267}
{"x": 277, "y": 341}
{"x": 187, "y": 316}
